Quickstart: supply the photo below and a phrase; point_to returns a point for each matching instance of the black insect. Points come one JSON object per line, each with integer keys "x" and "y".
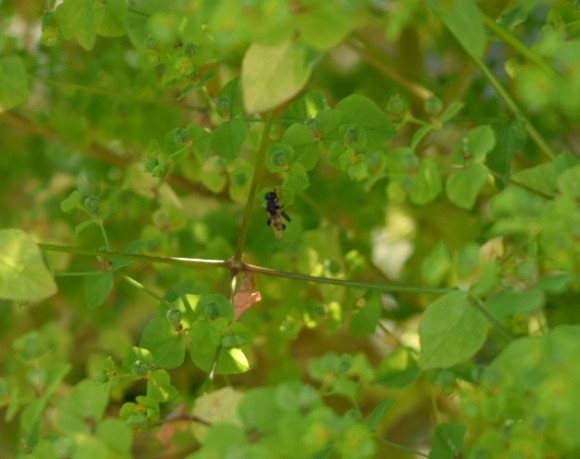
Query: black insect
{"x": 275, "y": 213}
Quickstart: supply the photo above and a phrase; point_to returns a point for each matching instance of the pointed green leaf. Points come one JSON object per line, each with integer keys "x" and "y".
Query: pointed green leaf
{"x": 399, "y": 369}
{"x": 228, "y": 137}
{"x": 511, "y": 302}
{"x": 463, "y": 19}
{"x": 427, "y": 184}
{"x": 273, "y": 74}
{"x": 23, "y": 275}
{"x": 297, "y": 178}
{"x": 569, "y": 182}
{"x": 378, "y": 413}
{"x": 279, "y": 157}
{"x": 479, "y": 142}
{"x": 452, "y": 110}
{"x": 299, "y": 136}
{"x": 83, "y": 405}
{"x": 452, "y": 330}
{"x": 167, "y": 346}
{"x": 366, "y": 319}
{"x": 97, "y": 288}
{"x": 14, "y": 87}
{"x": 159, "y": 388}
{"x": 116, "y": 434}
{"x": 464, "y": 185}
{"x": 363, "y": 113}
{"x": 510, "y": 138}
{"x": 72, "y": 202}
{"x": 448, "y": 441}
{"x": 314, "y": 22}
{"x": 80, "y": 16}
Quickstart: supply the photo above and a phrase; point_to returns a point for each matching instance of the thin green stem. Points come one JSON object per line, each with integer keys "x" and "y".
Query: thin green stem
{"x": 342, "y": 282}
{"x": 511, "y": 104}
{"x": 140, "y": 286}
{"x": 480, "y": 306}
{"x": 135, "y": 256}
{"x": 377, "y": 59}
{"x": 260, "y": 158}
{"x": 517, "y": 45}
{"x": 104, "y": 233}
{"x": 238, "y": 266}
{"x": 86, "y": 273}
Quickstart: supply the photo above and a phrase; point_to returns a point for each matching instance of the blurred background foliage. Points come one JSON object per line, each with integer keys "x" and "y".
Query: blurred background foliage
{"x": 399, "y": 162}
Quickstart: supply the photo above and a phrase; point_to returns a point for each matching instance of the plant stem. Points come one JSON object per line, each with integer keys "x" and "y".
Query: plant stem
{"x": 502, "y": 331}
{"x": 140, "y": 286}
{"x": 238, "y": 266}
{"x": 513, "y": 106}
{"x": 376, "y": 59}
{"x": 342, "y": 282}
{"x": 517, "y": 45}
{"x": 260, "y": 157}
{"x": 134, "y": 256}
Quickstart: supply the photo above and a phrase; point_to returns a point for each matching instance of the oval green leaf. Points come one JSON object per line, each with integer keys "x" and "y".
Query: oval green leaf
{"x": 14, "y": 88}
{"x": 464, "y": 185}
{"x": 23, "y": 275}
{"x": 272, "y": 75}
{"x": 452, "y": 330}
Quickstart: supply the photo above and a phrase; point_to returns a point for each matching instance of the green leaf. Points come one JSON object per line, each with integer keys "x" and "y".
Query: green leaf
{"x": 451, "y": 331}
{"x": 448, "y": 441}
{"x": 378, "y": 413}
{"x": 399, "y": 369}
{"x": 297, "y": 178}
{"x": 227, "y": 139}
{"x": 167, "y": 346}
{"x": 215, "y": 305}
{"x": 81, "y": 21}
{"x": 464, "y": 185}
{"x": 366, "y": 319}
{"x": 363, "y": 113}
{"x": 463, "y": 19}
{"x": 479, "y": 142}
{"x": 23, "y": 275}
{"x": 453, "y": 109}
{"x": 437, "y": 265}
{"x": 14, "y": 86}
{"x": 511, "y": 302}
{"x": 299, "y": 137}
{"x": 274, "y": 74}
{"x": 279, "y": 156}
{"x": 159, "y": 388}
{"x": 116, "y": 434}
{"x": 97, "y": 288}
{"x": 510, "y": 139}
{"x": 85, "y": 404}
{"x": 323, "y": 26}
{"x": 213, "y": 173}
{"x": 540, "y": 178}
{"x": 569, "y": 182}
{"x": 110, "y": 18}
{"x": 231, "y": 94}
{"x": 201, "y": 141}
{"x": 258, "y": 410}
{"x": 427, "y": 184}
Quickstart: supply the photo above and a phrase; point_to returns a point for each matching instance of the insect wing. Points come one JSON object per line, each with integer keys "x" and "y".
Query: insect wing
{"x": 278, "y": 232}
